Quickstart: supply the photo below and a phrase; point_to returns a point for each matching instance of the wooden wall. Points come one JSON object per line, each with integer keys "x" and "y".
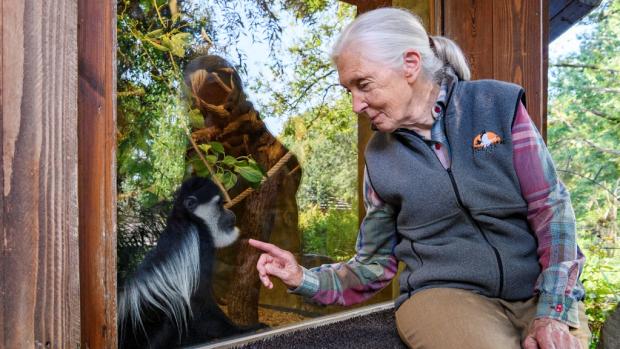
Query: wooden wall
{"x": 39, "y": 283}
{"x": 505, "y": 40}
{"x": 97, "y": 181}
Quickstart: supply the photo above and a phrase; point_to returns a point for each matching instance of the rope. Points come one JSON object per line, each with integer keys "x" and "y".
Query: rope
{"x": 273, "y": 170}
{"x": 197, "y": 79}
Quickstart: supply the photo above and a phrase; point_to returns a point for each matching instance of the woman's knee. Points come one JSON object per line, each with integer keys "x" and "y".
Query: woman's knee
{"x": 454, "y": 318}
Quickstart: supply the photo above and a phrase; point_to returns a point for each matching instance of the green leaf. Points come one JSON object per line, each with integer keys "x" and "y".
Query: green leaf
{"x": 155, "y": 33}
{"x": 217, "y": 147}
{"x": 196, "y": 119}
{"x": 204, "y": 147}
{"x": 211, "y": 159}
{"x": 165, "y": 41}
{"x": 178, "y": 42}
{"x": 229, "y": 160}
{"x": 199, "y": 167}
{"x": 249, "y": 174}
{"x": 157, "y": 46}
{"x": 228, "y": 179}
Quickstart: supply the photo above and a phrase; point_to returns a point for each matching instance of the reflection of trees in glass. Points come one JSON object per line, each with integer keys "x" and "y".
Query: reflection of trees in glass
{"x": 325, "y": 139}
{"x": 584, "y": 129}
{"x": 156, "y": 38}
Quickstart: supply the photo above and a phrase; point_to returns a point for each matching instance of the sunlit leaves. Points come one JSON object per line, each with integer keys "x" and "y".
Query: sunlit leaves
{"x": 227, "y": 168}
{"x": 583, "y": 136}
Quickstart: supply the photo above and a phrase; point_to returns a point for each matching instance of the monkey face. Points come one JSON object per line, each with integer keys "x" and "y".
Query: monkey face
{"x": 204, "y": 202}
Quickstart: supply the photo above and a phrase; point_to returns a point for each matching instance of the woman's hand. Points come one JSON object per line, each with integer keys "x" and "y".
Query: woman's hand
{"x": 550, "y": 334}
{"x": 277, "y": 262}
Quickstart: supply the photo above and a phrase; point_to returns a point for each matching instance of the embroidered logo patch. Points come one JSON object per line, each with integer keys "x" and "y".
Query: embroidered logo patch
{"x": 486, "y": 140}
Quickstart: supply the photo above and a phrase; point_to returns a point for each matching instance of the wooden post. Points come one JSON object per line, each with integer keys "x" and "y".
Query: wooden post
{"x": 39, "y": 279}
{"x": 97, "y": 171}
{"x": 505, "y": 40}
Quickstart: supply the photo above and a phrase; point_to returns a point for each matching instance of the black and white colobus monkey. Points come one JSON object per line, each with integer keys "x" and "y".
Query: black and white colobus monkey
{"x": 168, "y": 301}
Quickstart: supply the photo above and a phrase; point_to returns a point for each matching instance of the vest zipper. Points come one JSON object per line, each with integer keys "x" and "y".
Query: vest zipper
{"x": 475, "y": 224}
{"x": 463, "y": 208}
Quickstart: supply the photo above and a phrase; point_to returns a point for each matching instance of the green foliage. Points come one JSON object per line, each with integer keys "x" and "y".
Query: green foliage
{"x": 313, "y": 76}
{"x": 329, "y": 232}
{"x": 325, "y": 142}
{"x": 155, "y": 39}
{"x": 225, "y": 166}
{"x": 584, "y": 129}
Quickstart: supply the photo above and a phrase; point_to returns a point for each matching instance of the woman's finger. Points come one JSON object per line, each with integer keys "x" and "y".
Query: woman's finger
{"x": 277, "y": 271}
{"x": 530, "y": 343}
{"x": 262, "y": 272}
{"x": 270, "y": 248}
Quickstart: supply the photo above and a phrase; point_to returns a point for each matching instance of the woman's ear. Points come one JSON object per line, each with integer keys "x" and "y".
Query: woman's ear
{"x": 412, "y": 64}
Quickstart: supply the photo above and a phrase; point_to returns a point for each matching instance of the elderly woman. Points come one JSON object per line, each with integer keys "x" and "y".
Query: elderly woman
{"x": 459, "y": 187}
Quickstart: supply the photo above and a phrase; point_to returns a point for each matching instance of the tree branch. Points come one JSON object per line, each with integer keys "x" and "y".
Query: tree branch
{"x": 302, "y": 95}
{"x": 602, "y": 89}
{"x": 577, "y": 174}
{"x": 584, "y": 66}
{"x": 611, "y": 151}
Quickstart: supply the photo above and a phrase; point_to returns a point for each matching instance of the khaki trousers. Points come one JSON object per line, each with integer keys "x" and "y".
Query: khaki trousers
{"x": 446, "y": 318}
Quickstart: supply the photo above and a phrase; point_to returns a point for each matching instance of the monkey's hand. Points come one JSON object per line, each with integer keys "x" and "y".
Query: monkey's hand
{"x": 277, "y": 262}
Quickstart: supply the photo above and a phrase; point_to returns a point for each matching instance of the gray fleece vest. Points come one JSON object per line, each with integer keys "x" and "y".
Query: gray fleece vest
{"x": 465, "y": 227}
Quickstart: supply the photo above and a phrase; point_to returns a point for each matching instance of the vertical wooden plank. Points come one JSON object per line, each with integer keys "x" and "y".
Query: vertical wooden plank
{"x": 39, "y": 302}
{"x": 419, "y": 7}
{"x": 469, "y": 23}
{"x": 363, "y": 125}
{"x": 97, "y": 176}
{"x": 435, "y": 17}
{"x": 518, "y": 47}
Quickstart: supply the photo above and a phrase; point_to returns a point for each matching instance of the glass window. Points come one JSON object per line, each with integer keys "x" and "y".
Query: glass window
{"x": 242, "y": 93}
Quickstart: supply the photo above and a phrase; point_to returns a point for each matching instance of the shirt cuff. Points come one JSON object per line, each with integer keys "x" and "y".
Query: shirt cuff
{"x": 309, "y": 284}
{"x": 558, "y": 307}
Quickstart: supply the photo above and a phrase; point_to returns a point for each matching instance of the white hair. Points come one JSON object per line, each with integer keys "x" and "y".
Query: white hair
{"x": 168, "y": 286}
{"x": 383, "y": 35}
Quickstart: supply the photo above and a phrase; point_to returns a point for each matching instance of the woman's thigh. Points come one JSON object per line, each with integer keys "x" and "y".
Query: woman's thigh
{"x": 446, "y": 318}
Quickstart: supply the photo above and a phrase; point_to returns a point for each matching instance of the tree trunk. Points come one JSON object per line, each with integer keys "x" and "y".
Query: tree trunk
{"x": 231, "y": 120}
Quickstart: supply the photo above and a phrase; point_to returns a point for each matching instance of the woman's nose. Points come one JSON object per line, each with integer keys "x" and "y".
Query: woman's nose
{"x": 359, "y": 105}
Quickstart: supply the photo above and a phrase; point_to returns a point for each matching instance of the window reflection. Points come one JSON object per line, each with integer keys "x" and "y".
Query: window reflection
{"x": 228, "y": 91}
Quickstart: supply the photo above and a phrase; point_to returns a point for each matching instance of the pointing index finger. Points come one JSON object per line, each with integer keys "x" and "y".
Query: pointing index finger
{"x": 267, "y": 247}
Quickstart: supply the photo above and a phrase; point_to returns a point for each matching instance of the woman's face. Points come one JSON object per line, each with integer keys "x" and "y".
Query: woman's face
{"x": 382, "y": 93}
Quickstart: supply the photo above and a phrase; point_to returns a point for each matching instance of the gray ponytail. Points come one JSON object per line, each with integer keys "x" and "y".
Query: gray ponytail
{"x": 386, "y": 33}
{"x": 450, "y": 54}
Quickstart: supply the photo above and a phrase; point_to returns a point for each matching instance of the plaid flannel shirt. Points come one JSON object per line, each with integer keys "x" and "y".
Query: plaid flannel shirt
{"x": 550, "y": 216}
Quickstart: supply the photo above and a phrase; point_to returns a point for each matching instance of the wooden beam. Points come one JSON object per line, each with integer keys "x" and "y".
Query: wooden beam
{"x": 363, "y": 125}
{"x": 504, "y": 40}
{"x": 564, "y": 13}
{"x": 39, "y": 279}
{"x": 97, "y": 174}
{"x": 367, "y": 5}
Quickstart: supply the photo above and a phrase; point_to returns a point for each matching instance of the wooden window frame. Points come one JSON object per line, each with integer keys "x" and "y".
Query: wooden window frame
{"x": 97, "y": 171}
{"x": 96, "y": 98}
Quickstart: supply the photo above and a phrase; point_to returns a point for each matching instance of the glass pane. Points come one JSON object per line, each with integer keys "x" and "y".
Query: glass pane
{"x": 242, "y": 93}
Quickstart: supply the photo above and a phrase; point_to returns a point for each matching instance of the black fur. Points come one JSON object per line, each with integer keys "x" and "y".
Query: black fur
{"x": 205, "y": 321}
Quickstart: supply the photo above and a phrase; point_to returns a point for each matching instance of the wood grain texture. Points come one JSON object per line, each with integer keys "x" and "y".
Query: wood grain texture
{"x": 469, "y": 24}
{"x": 367, "y": 5}
{"x": 97, "y": 175}
{"x": 504, "y": 40}
{"x": 363, "y": 125}
{"x": 39, "y": 267}
{"x": 518, "y": 50}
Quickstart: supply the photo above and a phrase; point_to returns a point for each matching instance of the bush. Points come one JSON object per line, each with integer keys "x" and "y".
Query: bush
{"x": 329, "y": 232}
